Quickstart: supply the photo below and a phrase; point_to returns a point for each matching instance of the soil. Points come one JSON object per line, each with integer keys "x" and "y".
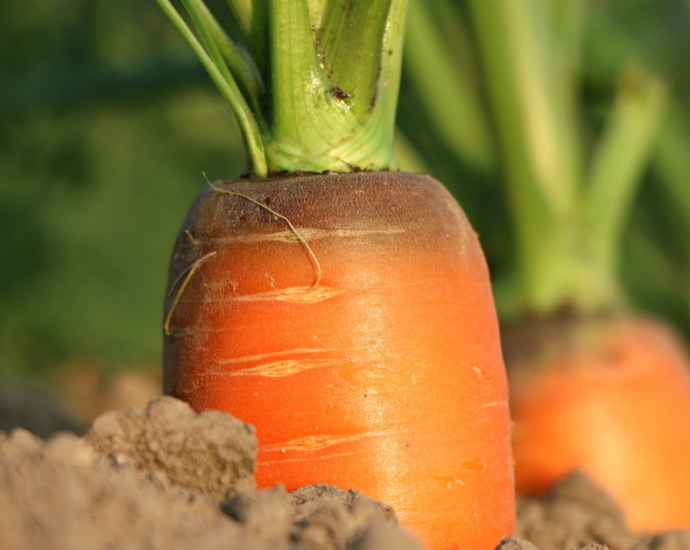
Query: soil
{"x": 164, "y": 476}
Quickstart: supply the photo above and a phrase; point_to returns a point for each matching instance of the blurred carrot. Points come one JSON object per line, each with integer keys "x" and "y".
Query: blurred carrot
{"x": 610, "y": 396}
{"x": 561, "y": 299}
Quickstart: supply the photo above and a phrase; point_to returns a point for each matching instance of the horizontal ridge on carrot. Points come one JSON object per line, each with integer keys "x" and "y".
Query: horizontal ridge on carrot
{"x": 348, "y": 314}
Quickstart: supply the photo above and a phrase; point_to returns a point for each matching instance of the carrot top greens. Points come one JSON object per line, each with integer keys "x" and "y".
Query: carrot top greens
{"x": 314, "y": 83}
{"x": 569, "y": 210}
{"x": 501, "y": 83}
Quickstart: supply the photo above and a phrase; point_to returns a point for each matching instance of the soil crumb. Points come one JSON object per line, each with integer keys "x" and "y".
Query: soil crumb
{"x": 210, "y": 453}
{"x": 166, "y": 477}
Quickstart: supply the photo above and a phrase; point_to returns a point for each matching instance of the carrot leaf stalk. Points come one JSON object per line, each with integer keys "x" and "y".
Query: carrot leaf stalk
{"x": 252, "y": 19}
{"x": 315, "y": 85}
{"x": 568, "y": 216}
{"x": 624, "y": 149}
{"x": 447, "y": 89}
{"x": 219, "y": 73}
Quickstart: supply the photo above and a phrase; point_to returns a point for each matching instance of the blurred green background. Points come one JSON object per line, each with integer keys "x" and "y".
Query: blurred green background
{"x": 107, "y": 123}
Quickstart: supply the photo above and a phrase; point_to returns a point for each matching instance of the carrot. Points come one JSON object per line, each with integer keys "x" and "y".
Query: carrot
{"x": 601, "y": 389}
{"x": 347, "y": 316}
{"x": 359, "y": 381}
{"x": 611, "y": 397}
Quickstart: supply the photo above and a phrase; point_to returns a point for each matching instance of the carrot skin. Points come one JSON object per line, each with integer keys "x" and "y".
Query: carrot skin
{"x": 610, "y": 396}
{"x": 386, "y": 378}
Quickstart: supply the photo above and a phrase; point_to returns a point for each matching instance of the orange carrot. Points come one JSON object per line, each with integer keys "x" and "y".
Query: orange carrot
{"x": 610, "y": 396}
{"x": 360, "y": 340}
{"x": 348, "y": 317}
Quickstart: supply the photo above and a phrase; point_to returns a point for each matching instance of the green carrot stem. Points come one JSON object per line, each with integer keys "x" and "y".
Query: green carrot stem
{"x": 252, "y": 19}
{"x": 567, "y": 227}
{"x": 672, "y": 162}
{"x": 314, "y": 125}
{"x": 308, "y": 121}
{"x": 533, "y": 216}
{"x": 621, "y": 158}
{"x": 449, "y": 95}
{"x": 239, "y": 62}
{"x": 352, "y": 42}
{"x": 227, "y": 87}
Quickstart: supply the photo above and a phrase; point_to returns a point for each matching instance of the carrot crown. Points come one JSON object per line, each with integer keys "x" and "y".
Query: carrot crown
{"x": 313, "y": 84}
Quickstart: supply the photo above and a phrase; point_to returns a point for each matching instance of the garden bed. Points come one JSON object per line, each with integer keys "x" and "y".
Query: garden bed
{"x": 167, "y": 477}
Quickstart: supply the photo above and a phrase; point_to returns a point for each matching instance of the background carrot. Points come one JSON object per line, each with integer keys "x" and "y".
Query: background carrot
{"x": 348, "y": 317}
{"x": 611, "y": 396}
{"x": 579, "y": 360}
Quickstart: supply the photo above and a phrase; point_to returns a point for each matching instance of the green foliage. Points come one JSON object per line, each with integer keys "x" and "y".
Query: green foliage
{"x": 107, "y": 122}
{"x": 572, "y": 97}
{"x": 95, "y": 176}
{"x": 333, "y": 68}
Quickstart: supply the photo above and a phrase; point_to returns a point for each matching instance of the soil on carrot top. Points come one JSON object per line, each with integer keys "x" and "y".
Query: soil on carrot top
{"x": 166, "y": 477}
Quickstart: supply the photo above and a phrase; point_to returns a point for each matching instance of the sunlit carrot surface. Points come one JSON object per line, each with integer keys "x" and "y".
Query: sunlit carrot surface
{"x": 614, "y": 400}
{"x": 386, "y": 377}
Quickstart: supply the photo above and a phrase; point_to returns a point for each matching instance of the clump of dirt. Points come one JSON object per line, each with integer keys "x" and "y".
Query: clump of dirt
{"x": 514, "y": 543}
{"x": 572, "y": 515}
{"x": 331, "y": 519}
{"x": 167, "y": 477}
{"x": 212, "y": 453}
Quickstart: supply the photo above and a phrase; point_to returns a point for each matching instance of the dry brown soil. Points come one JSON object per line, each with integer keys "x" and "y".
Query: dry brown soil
{"x": 165, "y": 477}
